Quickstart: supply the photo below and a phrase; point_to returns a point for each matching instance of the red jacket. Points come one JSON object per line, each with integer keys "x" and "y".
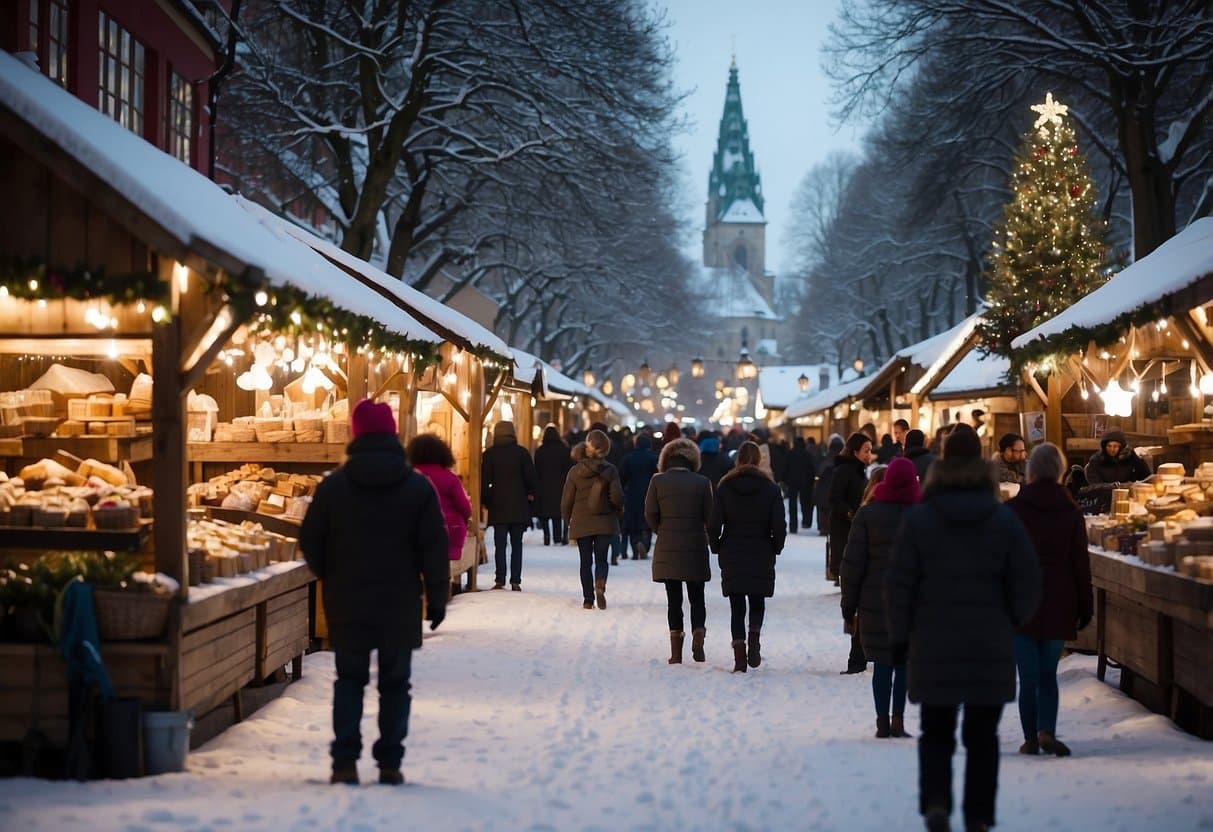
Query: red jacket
{"x": 456, "y": 508}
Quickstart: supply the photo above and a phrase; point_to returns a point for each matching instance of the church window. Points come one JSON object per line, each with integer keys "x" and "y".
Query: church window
{"x": 741, "y": 257}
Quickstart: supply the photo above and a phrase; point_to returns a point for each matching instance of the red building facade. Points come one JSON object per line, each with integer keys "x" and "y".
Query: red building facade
{"x": 144, "y": 63}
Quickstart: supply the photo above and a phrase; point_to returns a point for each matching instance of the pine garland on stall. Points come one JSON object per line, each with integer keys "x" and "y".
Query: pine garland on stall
{"x": 1049, "y": 250}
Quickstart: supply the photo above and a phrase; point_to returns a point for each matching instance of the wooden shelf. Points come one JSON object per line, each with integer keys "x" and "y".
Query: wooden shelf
{"x": 88, "y": 540}
{"x": 101, "y": 448}
{"x": 195, "y": 614}
{"x": 242, "y": 452}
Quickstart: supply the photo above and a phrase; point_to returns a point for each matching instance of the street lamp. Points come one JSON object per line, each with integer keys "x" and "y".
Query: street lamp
{"x": 608, "y": 387}
{"x": 746, "y": 369}
{"x": 858, "y": 365}
{"x": 804, "y": 382}
{"x": 588, "y": 378}
{"x": 697, "y": 367}
{"x": 672, "y": 374}
{"x": 644, "y": 373}
{"x": 628, "y": 382}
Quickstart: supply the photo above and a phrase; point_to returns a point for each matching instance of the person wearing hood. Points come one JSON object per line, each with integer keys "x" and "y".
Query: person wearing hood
{"x": 1115, "y": 462}
{"x": 507, "y": 490}
{"x": 747, "y": 531}
{"x": 678, "y": 506}
{"x": 1059, "y": 534}
{"x": 821, "y": 491}
{"x": 962, "y": 578}
{"x": 552, "y": 464}
{"x": 873, "y": 533}
{"x": 375, "y": 535}
{"x": 591, "y": 504}
{"x": 713, "y": 462}
{"x": 638, "y": 468}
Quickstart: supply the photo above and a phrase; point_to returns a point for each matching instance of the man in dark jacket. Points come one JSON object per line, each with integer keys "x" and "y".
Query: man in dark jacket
{"x": 799, "y": 473}
{"x": 917, "y": 452}
{"x": 846, "y": 493}
{"x": 552, "y": 464}
{"x": 637, "y": 469}
{"x": 1115, "y": 462}
{"x": 375, "y": 536}
{"x": 962, "y": 578}
{"x": 507, "y": 489}
{"x": 1012, "y": 459}
{"x": 825, "y": 477}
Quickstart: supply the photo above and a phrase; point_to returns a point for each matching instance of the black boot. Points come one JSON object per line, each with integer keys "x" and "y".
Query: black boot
{"x": 754, "y": 649}
{"x": 676, "y": 639}
{"x": 883, "y": 732}
{"x": 739, "y": 657}
{"x": 697, "y": 644}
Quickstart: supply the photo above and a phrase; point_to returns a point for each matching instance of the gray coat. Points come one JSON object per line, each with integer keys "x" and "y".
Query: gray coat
{"x": 677, "y": 507}
{"x": 592, "y": 499}
{"x": 962, "y": 578}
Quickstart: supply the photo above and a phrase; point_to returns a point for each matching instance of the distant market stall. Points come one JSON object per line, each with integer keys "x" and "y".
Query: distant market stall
{"x": 1137, "y": 355}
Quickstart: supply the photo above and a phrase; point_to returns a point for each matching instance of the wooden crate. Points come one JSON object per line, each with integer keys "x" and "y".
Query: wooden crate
{"x": 217, "y": 660}
{"x": 284, "y": 636}
{"x": 1132, "y": 637}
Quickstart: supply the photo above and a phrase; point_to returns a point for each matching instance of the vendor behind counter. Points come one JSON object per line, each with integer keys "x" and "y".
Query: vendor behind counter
{"x": 1115, "y": 462}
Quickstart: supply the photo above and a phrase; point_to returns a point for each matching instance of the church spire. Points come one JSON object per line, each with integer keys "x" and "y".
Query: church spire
{"x": 734, "y": 178}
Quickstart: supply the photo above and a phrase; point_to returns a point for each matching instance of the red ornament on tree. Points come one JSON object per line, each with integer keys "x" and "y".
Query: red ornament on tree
{"x": 1075, "y": 191}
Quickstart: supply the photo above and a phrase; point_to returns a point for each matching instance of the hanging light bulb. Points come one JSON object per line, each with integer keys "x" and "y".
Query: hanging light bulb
{"x": 298, "y": 365}
{"x": 264, "y": 355}
{"x": 1118, "y": 401}
{"x": 1206, "y": 384}
{"x": 1162, "y": 386}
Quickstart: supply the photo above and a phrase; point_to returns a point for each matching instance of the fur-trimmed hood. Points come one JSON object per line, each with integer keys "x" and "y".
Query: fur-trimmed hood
{"x": 963, "y": 474}
{"x": 746, "y": 471}
{"x": 681, "y": 453}
{"x": 578, "y": 452}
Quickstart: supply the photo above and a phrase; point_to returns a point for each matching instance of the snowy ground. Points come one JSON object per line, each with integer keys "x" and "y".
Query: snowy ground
{"x": 533, "y": 714}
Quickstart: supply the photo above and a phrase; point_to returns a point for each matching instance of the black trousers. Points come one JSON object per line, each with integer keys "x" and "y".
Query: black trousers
{"x": 635, "y": 538}
{"x": 554, "y": 530}
{"x": 353, "y": 674}
{"x": 737, "y": 608}
{"x": 699, "y": 610}
{"x": 513, "y": 533}
{"x": 935, "y": 749}
{"x": 800, "y": 499}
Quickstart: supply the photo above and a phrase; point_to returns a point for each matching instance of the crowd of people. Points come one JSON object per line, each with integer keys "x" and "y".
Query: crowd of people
{"x": 957, "y": 599}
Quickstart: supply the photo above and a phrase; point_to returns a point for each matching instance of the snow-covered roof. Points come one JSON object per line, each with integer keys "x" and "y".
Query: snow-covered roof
{"x": 935, "y": 352}
{"x": 446, "y": 320}
{"x": 974, "y": 373}
{"x": 556, "y": 385}
{"x": 729, "y": 293}
{"x": 826, "y": 398}
{"x": 1176, "y": 264}
{"x": 780, "y": 386}
{"x": 526, "y": 366}
{"x": 743, "y": 210}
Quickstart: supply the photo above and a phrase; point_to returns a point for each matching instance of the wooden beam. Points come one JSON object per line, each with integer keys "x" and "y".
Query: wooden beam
{"x": 455, "y": 405}
{"x": 203, "y": 353}
{"x": 169, "y": 472}
{"x": 1031, "y": 381}
{"x": 1197, "y": 340}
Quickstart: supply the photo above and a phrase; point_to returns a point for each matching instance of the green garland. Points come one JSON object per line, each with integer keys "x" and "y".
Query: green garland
{"x": 28, "y": 280}
{"x": 1075, "y": 339}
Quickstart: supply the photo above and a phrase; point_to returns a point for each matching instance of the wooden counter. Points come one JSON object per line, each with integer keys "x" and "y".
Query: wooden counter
{"x": 241, "y": 452}
{"x": 1158, "y": 626}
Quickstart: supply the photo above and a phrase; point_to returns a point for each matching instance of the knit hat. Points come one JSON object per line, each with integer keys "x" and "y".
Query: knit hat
{"x": 597, "y": 444}
{"x": 900, "y": 483}
{"x": 962, "y": 443}
{"x": 504, "y": 428}
{"x": 709, "y": 445}
{"x": 372, "y": 417}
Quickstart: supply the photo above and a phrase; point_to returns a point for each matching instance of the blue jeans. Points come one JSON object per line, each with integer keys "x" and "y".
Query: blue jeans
{"x": 514, "y": 532}
{"x": 889, "y": 682}
{"x": 594, "y": 562}
{"x": 353, "y": 674}
{"x": 1038, "y": 697}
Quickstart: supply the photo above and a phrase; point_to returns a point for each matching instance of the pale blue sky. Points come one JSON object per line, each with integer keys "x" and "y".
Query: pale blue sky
{"x": 784, "y": 93}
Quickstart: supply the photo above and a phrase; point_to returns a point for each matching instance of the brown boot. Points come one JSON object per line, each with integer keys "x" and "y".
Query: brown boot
{"x": 898, "y": 727}
{"x": 676, "y": 639}
{"x": 697, "y": 644}
{"x": 739, "y": 656}
{"x": 754, "y": 649}
{"x": 600, "y": 593}
{"x": 882, "y": 726}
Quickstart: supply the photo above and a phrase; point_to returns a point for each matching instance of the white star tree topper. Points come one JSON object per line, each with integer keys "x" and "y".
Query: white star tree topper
{"x": 1050, "y": 112}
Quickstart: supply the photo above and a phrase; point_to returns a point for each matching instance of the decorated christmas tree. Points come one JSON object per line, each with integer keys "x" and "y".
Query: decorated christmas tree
{"x": 1049, "y": 249}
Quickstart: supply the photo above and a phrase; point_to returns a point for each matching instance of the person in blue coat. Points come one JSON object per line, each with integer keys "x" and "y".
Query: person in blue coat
{"x": 635, "y": 471}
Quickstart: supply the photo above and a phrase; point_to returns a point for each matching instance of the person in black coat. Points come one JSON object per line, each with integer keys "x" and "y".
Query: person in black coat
{"x": 873, "y": 533}
{"x": 375, "y": 536}
{"x": 552, "y": 464}
{"x": 507, "y": 489}
{"x": 714, "y": 462}
{"x": 637, "y": 469}
{"x": 799, "y": 473}
{"x": 963, "y": 576}
{"x": 917, "y": 452}
{"x": 821, "y": 491}
{"x": 1115, "y": 462}
{"x": 747, "y": 530}
{"x": 1059, "y": 535}
{"x": 846, "y": 494}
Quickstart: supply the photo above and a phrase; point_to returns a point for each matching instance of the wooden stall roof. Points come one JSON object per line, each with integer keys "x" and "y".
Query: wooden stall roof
{"x": 918, "y": 364}
{"x": 826, "y": 399}
{"x": 974, "y": 376}
{"x": 452, "y": 325}
{"x": 779, "y": 386}
{"x": 166, "y": 202}
{"x": 1175, "y": 277}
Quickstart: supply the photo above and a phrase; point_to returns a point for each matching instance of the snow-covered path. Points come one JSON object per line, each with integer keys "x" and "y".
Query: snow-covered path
{"x": 533, "y": 714}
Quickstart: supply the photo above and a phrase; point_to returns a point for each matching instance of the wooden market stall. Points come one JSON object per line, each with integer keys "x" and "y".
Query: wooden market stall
{"x": 971, "y": 383}
{"x": 829, "y": 411}
{"x": 1137, "y": 354}
{"x": 123, "y": 266}
{"x": 780, "y": 386}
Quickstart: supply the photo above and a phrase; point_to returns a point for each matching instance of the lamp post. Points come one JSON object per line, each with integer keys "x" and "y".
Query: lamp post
{"x": 858, "y": 365}
{"x": 746, "y": 368}
{"x": 804, "y": 383}
{"x": 697, "y": 367}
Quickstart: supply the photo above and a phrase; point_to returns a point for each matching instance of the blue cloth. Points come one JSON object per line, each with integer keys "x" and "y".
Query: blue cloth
{"x": 79, "y": 640}
{"x": 889, "y": 683}
{"x": 709, "y": 445}
{"x": 1038, "y": 698}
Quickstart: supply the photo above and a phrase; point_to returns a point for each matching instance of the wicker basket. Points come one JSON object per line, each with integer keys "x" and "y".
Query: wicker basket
{"x": 129, "y": 616}
{"x": 337, "y": 432}
{"x": 116, "y": 518}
